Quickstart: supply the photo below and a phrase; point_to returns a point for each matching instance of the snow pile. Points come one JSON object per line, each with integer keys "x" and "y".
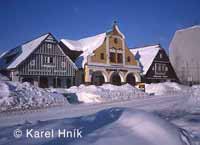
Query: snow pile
{"x": 166, "y": 88}
{"x": 3, "y": 78}
{"x": 194, "y": 99}
{"x": 105, "y": 93}
{"x": 115, "y": 126}
{"x": 15, "y": 95}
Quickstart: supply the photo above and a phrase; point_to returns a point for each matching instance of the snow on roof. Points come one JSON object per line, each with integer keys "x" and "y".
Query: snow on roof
{"x": 87, "y": 45}
{"x": 145, "y": 56}
{"x": 189, "y": 28}
{"x": 22, "y": 52}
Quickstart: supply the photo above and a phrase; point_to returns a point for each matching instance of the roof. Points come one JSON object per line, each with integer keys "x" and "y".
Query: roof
{"x": 21, "y": 52}
{"x": 145, "y": 56}
{"x": 87, "y": 45}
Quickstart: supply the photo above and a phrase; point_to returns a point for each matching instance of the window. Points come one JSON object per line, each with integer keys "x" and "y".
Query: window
{"x": 128, "y": 59}
{"x": 32, "y": 62}
{"x": 48, "y": 60}
{"x": 112, "y": 57}
{"x": 49, "y": 45}
{"x": 166, "y": 69}
{"x": 119, "y": 58}
{"x": 62, "y": 64}
{"x": 160, "y": 68}
{"x": 102, "y": 56}
{"x": 161, "y": 56}
{"x": 115, "y": 40}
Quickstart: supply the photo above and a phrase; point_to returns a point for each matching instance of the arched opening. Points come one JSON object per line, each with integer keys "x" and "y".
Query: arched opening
{"x": 130, "y": 79}
{"x": 98, "y": 78}
{"x": 115, "y": 79}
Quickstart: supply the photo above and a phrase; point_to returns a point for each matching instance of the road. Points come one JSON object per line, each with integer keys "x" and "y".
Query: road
{"x": 150, "y": 103}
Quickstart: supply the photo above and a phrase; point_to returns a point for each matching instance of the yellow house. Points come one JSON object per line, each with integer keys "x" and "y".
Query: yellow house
{"x": 104, "y": 58}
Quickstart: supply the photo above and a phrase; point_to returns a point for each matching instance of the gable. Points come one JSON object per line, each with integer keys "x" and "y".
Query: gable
{"x": 21, "y": 53}
{"x": 161, "y": 60}
{"x": 50, "y": 47}
{"x": 116, "y": 43}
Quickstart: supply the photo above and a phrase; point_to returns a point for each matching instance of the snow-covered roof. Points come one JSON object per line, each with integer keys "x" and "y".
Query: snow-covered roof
{"x": 145, "y": 56}
{"x": 88, "y": 45}
{"x": 21, "y": 52}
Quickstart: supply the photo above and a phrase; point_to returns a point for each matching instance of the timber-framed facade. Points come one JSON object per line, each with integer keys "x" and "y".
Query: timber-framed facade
{"x": 155, "y": 64}
{"x": 41, "y": 62}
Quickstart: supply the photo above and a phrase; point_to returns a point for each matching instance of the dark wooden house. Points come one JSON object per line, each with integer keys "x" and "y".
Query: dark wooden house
{"x": 41, "y": 62}
{"x": 155, "y": 64}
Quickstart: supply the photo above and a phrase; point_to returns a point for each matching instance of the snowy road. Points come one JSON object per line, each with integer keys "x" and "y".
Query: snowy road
{"x": 152, "y": 103}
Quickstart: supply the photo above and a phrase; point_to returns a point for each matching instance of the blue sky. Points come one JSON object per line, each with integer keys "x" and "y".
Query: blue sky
{"x": 143, "y": 22}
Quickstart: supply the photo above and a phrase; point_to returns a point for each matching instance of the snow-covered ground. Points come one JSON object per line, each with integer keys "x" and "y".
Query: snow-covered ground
{"x": 174, "y": 103}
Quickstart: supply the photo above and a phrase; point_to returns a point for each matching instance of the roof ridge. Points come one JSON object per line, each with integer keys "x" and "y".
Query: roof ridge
{"x": 83, "y": 37}
{"x": 146, "y": 46}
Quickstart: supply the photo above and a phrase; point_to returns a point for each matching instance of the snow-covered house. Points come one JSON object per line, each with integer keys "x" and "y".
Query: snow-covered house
{"x": 41, "y": 62}
{"x": 184, "y": 53}
{"x": 155, "y": 64}
{"x": 104, "y": 58}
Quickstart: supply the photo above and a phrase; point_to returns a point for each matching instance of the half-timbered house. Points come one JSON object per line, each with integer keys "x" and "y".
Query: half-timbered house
{"x": 41, "y": 62}
{"x": 104, "y": 58}
{"x": 155, "y": 64}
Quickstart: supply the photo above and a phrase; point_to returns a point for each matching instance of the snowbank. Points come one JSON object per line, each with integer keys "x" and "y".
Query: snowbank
{"x": 165, "y": 88}
{"x": 105, "y": 93}
{"x": 3, "y": 78}
{"x": 115, "y": 126}
{"x": 15, "y": 95}
{"x": 194, "y": 99}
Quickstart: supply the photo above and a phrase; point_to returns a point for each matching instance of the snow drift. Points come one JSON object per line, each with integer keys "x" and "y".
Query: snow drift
{"x": 166, "y": 88}
{"x": 115, "y": 126}
{"x": 16, "y": 96}
{"x": 3, "y": 78}
{"x": 105, "y": 93}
